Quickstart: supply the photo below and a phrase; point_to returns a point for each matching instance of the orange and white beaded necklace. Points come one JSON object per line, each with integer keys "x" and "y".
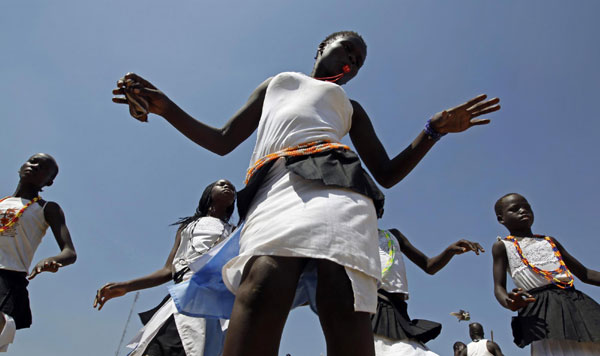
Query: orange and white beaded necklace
{"x": 14, "y": 220}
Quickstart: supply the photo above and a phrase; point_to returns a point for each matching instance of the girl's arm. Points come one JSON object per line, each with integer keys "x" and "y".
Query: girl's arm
{"x": 585, "y": 274}
{"x": 388, "y": 172}
{"x": 56, "y": 220}
{"x": 220, "y": 141}
{"x": 433, "y": 265}
{"x": 516, "y": 299}
{"x": 117, "y": 289}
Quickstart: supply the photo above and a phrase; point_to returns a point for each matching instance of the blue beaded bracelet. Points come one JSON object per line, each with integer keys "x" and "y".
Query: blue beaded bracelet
{"x": 431, "y": 132}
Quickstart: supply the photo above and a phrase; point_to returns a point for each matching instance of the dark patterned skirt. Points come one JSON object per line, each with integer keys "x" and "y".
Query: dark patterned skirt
{"x": 559, "y": 314}
{"x": 167, "y": 341}
{"x": 338, "y": 168}
{"x": 14, "y": 298}
{"x": 392, "y": 321}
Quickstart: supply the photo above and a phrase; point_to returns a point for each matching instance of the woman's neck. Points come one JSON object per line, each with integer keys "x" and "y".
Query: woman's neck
{"x": 26, "y": 191}
{"x": 521, "y": 233}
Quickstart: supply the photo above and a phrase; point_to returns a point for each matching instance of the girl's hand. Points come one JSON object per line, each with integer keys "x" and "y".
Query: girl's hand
{"x": 518, "y": 299}
{"x": 108, "y": 291}
{"x": 462, "y": 246}
{"x": 46, "y": 265}
{"x": 462, "y": 117}
{"x": 157, "y": 102}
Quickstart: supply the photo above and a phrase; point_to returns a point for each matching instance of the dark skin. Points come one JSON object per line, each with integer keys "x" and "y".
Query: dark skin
{"x": 431, "y": 265}
{"x": 476, "y": 334}
{"x": 260, "y": 334}
{"x": 36, "y": 173}
{"x": 222, "y": 197}
{"x": 517, "y": 216}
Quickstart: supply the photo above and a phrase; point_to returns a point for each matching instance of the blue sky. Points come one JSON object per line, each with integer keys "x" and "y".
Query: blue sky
{"x": 122, "y": 182}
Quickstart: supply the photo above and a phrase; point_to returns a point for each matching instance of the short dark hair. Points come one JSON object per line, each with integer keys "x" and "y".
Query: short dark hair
{"x": 334, "y": 36}
{"x": 457, "y": 344}
{"x": 500, "y": 203}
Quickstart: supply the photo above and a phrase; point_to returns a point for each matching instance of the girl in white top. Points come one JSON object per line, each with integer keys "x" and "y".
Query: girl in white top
{"x": 307, "y": 208}
{"x": 24, "y": 219}
{"x": 554, "y": 317}
{"x": 394, "y": 332}
{"x": 166, "y": 329}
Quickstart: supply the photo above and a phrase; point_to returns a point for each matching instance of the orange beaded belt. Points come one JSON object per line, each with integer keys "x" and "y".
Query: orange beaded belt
{"x": 303, "y": 149}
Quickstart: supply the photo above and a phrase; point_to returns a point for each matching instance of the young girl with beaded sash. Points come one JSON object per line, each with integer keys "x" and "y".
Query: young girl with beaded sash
{"x": 307, "y": 200}
{"x": 554, "y": 317}
{"x": 167, "y": 332}
{"x": 394, "y": 332}
{"x": 24, "y": 219}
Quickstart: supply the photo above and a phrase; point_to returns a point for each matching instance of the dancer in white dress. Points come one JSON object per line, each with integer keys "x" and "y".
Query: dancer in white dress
{"x": 554, "y": 317}
{"x": 314, "y": 203}
{"x": 166, "y": 331}
{"x": 24, "y": 219}
{"x": 394, "y": 331}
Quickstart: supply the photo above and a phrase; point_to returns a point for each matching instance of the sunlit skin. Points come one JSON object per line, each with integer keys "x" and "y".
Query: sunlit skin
{"x": 222, "y": 198}
{"x": 517, "y": 216}
{"x": 269, "y": 282}
{"x": 36, "y": 173}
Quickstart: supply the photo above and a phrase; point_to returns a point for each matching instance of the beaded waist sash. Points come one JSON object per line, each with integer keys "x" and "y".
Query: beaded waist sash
{"x": 299, "y": 150}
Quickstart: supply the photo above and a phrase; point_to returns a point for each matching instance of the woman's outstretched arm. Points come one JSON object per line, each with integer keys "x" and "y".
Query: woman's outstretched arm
{"x": 388, "y": 172}
{"x": 585, "y": 274}
{"x": 218, "y": 140}
{"x": 160, "y": 276}
{"x": 434, "y": 264}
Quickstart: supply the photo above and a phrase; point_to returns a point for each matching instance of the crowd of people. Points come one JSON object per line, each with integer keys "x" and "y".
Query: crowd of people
{"x": 308, "y": 234}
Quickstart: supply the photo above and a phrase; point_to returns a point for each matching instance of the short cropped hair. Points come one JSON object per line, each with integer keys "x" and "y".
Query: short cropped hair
{"x": 334, "y": 36}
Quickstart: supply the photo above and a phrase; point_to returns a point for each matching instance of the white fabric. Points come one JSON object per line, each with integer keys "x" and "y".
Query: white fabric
{"x": 549, "y": 347}
{"x": 191, "y": 331}
{"x": 197, "y": 238}
{"x": 19, "y": 242}
{"x": 389, "y": 347}
{"x": 7, "y": 336}
{"x": 478, "y": 348}
{"x": 291, "y": 216}
{"x": 394, "y": 280}
{"x": 299, "y": 109}
{"x": 539, "y": 253}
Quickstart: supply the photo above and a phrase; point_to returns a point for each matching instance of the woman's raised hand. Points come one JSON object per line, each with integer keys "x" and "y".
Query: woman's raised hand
{"x": 138, "y": 92}
{"x": 462, "y": 117}
{"x": 462, "y": 246}
{"x": 108, "y": 291}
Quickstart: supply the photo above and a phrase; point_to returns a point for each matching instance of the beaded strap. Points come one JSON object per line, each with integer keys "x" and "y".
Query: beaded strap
{"x": 548, "y": 275}
{"x": 14, "y": 220}
{"x": 299, "y": 150}
{"x": 391, "y": 253}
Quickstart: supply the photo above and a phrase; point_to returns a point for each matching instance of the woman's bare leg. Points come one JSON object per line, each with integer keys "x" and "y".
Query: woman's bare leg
{"x": 262, "y": 304}
{"x": 347, "y": 333}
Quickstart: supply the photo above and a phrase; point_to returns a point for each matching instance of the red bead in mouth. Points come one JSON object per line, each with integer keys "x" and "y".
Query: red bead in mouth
{"x": 346, "y": 68}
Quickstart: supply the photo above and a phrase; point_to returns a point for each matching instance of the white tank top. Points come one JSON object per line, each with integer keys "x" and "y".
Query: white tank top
{"x": 299, "y": 109}
{"x": 478, "y": 348}
{"x": 539, "y": 253}
{"x": 19, "y": 243}
{"x": 393, "y": 278}
{"x": 197, "y": 238}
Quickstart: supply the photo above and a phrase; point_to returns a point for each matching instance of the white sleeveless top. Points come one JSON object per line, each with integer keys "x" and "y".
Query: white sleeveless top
{"x": 299, "y": 109}
{"x": 478, "y": 348}
{"x": 19, "y": 243}
{"x": 394, "y": 279}
{"x": 197, "y": 238}
{"x": 539, "y": 253}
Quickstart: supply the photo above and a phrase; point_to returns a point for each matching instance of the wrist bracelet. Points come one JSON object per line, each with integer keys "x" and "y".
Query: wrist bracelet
{"x": 431, "y": 132}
